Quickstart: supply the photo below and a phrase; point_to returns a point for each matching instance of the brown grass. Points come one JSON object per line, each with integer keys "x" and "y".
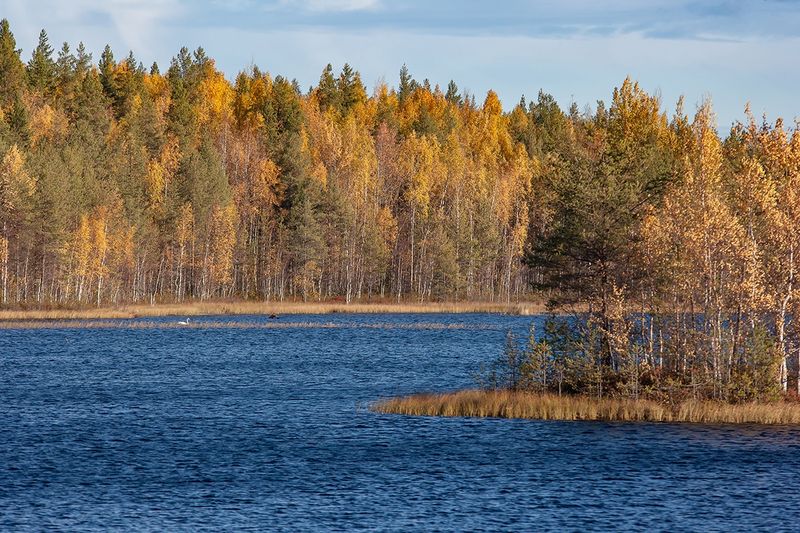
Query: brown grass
{"x": 267, "y": 308}
{"x": 507, "y": 404}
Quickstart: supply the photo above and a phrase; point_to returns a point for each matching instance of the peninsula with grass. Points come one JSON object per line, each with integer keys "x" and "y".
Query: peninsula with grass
{"x": 537, "y": 406}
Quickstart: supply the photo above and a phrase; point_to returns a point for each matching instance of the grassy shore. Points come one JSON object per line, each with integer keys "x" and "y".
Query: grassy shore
{"x": 507, "y": 404}
{"x": 266, "y": 308}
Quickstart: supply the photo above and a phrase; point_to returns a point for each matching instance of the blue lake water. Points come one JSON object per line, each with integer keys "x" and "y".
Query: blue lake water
{"x": 240, "y": 427}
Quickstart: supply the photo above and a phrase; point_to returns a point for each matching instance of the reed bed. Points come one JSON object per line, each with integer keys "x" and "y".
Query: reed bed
{"x": 508, "y": 404}
{"x": 63, "y": 314}
{"x": 267, "y": 308}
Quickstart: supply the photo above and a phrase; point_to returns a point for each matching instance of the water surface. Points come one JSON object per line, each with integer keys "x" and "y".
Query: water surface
{"x": 247, "y": 425}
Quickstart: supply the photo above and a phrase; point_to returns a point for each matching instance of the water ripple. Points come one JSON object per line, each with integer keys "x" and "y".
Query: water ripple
{"x": 251, "y": 425}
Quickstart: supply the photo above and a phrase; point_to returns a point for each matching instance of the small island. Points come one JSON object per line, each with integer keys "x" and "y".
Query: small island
{"x": 566, "y": 374}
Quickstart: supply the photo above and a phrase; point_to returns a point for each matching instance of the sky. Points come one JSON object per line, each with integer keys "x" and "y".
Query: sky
{"x": 733, "y": 51}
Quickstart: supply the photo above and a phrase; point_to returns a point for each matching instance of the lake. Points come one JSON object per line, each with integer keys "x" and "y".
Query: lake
{"x": 237, "y": 426}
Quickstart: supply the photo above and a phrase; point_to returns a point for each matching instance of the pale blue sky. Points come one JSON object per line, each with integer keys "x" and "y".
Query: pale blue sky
{"x": 734, "y": 50}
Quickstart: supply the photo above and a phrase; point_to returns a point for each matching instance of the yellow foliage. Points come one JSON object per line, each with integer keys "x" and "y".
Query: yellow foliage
{"x": 266, "y": 184}
{"x": 223, "y": 241}
{"x": 170, "y": 156}
{"x": 250, "y": 95}
{"x": 492, "y": 105}
{"x": 358, "y": 164}
{"x": 158, "y": 89}
{"x": 122, "y": 245}
{"x": 695, "y": 236}
{"x": 420, "y": 103}
{"x": 636, "y": 116}
{"x": 41, "y": 124}
{"x": 422, "y": 167}
{"x": 386, "y": 225}
{"x": 82, "y": 247}
{"x": 99, "y": 242}
{"x": 157, "y": 86}
{"x": 3, "y": 250}
{"x": 184, "y": 225}
{"x": 155, "y": 183}
{"x": 215, "y": 101}
{"x": 318, "y": 170}
{"x": 16, "y": 185}
{"x": 161, "y": 171}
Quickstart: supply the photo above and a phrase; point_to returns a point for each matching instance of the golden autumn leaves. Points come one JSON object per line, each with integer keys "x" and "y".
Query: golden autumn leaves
{"x": 253, "y": 188}
{"x": 723, "y": 241}
{"x": 17, "y": 187}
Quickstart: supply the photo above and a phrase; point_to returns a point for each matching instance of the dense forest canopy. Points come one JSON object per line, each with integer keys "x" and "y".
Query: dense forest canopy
{"x": 124, "y": 184}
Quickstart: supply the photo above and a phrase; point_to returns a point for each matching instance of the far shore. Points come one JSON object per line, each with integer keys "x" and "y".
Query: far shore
{"x": 244, "y": 307}
{"x": 524, "y": 405}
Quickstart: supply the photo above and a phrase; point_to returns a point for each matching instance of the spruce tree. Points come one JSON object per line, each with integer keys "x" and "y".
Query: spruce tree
{"x": 351, "y": 90}
{"x": 407, "y": 84}
{"x": 452, "y": 95}
{"x": 64, "y": 67}
{"x": 83, "y": 61}
{"x": 107, "y": 66}
{"x": 12, "y": 71}
{"x": 326, "y": 90}
{"x": 41, "y": 67}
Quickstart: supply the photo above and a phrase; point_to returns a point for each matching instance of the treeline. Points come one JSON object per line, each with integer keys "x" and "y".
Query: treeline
{"x": 124, "y": 184}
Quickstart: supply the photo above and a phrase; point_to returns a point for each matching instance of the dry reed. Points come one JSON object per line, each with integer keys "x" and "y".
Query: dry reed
{"x": 267, "y": 308}
{"x": 508, "y": 404}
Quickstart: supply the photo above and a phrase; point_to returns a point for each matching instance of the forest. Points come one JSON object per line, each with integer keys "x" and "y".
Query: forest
{"x": 676, "y": 244}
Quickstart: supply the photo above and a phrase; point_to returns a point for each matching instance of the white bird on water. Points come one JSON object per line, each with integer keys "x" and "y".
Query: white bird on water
{"x": 183, "y": 322}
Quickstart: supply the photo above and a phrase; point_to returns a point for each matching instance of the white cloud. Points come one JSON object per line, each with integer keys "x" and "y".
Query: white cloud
{"x": 324, "y": 6}
{"x": 130, "y": 23}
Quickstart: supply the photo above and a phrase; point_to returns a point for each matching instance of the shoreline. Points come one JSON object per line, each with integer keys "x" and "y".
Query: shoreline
{"x": 532, "y": 406}
{"x": 244, "y": 307}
